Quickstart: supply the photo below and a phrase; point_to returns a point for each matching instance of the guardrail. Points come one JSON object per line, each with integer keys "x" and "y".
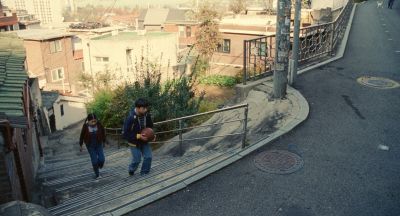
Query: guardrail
{"x": 180, "y": 126}
{"x": 316, "y": 42}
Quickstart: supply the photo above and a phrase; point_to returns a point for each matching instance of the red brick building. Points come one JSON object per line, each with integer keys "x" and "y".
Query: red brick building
{"x": 8, "y": 20}
{"x": 233, "y": 33}
{"x": 186, "y": 31}
{"x": 53, "y": 57}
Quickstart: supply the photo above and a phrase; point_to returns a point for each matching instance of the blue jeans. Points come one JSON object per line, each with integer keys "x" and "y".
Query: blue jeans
{"x": 137, "y": 156}
{"x": 96, "y": 156}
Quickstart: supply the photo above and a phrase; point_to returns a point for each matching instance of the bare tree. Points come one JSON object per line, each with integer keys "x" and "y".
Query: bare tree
{"x": 207, "y": 37}
{"x": 269, "y": 6}
{"x": 237, "y": 6}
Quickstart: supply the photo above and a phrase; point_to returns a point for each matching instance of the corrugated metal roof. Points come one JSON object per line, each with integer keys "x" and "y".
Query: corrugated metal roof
{"x": 12, "y": 79}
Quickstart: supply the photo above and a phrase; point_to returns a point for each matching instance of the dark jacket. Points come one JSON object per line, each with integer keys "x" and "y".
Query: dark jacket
{"x": 85, "y": 135}
{"x": 132, "y": 128}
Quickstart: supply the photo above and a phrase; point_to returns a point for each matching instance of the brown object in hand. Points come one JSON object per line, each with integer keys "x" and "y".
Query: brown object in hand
{"x": 147, "y": 134}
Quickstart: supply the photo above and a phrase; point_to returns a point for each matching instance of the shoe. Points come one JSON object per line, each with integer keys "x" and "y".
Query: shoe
{"x": 97, "y": 178}
{"x": 131, "y": 173}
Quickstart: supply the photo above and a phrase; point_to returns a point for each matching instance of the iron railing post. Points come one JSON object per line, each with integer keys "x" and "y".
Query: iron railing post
{"x": 180, "y": 138}
{"x": 332, "y": 38}
{"x": 246, "y": 110}
{"x": 244, "y": 63}
{"x": 293, "y": 63}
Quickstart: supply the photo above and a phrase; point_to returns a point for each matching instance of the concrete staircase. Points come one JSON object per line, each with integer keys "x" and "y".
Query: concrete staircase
{"x": 69, "y": 187}
{"x": 67, "y": 180}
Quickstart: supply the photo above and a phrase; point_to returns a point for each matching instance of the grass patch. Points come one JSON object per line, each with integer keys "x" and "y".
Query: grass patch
{"x": 206, "y": 106}
{"x": 218, "y": 80}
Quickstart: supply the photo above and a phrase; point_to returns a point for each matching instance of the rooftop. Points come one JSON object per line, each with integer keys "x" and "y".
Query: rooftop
{"x": 13, "y": 78}
{"x": 253, "y": 20}
{"x": 130, "y": 36}
{"x": 42, "y": 34}
{"x": 156, "y": 16}
{"x": 48, "y": 98}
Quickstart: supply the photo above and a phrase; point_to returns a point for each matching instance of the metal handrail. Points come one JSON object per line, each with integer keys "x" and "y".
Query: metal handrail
{"x": 200, "y": 138}
{"x": 200, "y": 126}
{"x": 181, "y": 128}
{"x": 204, "y": 113}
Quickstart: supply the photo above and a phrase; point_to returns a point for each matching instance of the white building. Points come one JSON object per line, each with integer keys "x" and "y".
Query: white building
{"x": 334, "y": 4}
{"x": 63, "y": 111}
{"x": 69, "y": 110}
{"x": 47, "y": 11}
{"x": 120, "y": 53}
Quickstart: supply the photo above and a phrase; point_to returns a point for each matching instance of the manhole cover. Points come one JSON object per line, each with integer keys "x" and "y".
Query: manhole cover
{"x": 378, "y": 82}
{"x": 278, "y": 162}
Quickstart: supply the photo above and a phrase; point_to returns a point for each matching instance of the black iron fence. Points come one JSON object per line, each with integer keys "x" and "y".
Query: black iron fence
{"x": 316, "y": 42}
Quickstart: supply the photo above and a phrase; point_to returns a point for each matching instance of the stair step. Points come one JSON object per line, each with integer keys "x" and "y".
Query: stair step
{"x": 73, "y": 153}
{"x": 157, "y": 170}
{"x": 119, "y": 166}
{"x": 77, "y": 162}
{"x": 129, "y": 185}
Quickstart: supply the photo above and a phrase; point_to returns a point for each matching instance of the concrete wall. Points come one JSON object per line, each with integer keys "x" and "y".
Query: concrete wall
{"x": 334, "y": 4}
{"x": 74, "y": 111}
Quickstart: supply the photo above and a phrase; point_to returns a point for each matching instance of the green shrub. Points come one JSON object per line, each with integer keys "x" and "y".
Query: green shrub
{"x": 218, "y": 80}
{"x": 205, "y": 106}
{"x": 172, "y": 99}
{"x": 100, "y": 104}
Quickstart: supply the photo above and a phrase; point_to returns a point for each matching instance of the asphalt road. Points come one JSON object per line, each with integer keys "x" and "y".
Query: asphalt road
{"x": 344, "y": 173}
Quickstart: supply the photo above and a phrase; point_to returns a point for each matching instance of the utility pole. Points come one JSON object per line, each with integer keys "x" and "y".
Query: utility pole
{"x": 293, "y": 63}
{"x": 282, "y": 45}
{"x": 91, "y": 71}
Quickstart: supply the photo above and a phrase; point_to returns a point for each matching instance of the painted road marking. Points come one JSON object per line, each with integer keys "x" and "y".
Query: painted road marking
{"x": 383, "y": 147}
{"x": 390, "y": 39}
{"x": 397, "y": 51}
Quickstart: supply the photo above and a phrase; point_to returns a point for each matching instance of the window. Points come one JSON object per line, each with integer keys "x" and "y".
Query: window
{"x": 181, "y": 30}
{"x": 62, "y": 109}
{"x": 188, "y": 31}
{"x": 262, "y": 48}
{"x": 57, "y": 74}
{"x": 102, "y": 59}
{"x": 55, "y": 46}
{"x": 225, "y": 47}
